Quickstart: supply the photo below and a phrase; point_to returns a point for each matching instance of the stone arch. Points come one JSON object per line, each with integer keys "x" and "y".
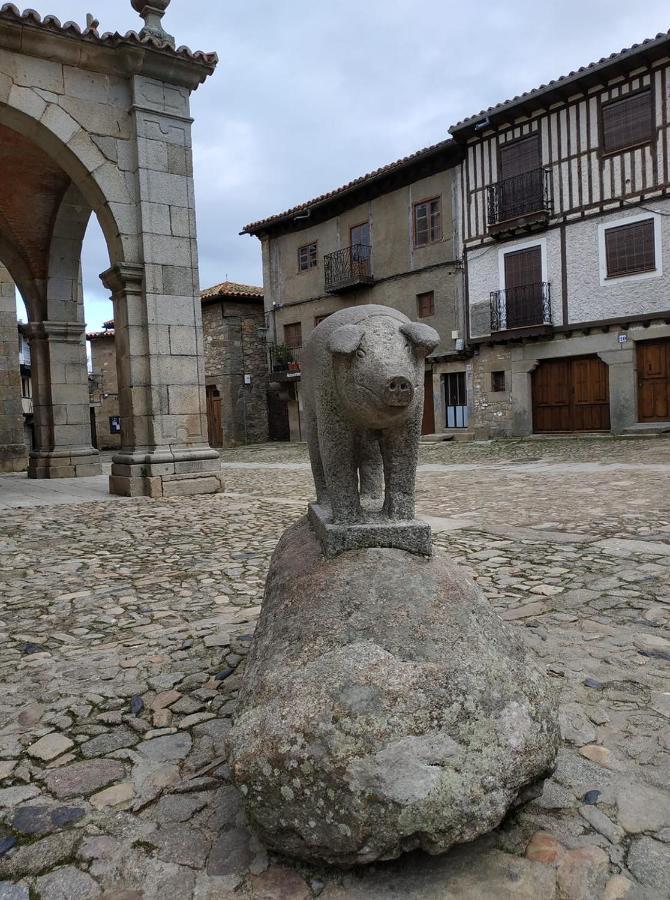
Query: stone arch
{"x": 70, "y": 147}
{"x": 64, "y": 293}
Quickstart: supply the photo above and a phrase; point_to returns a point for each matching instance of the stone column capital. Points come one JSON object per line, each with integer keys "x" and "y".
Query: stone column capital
{"x": 59, "y": 332}
{"x": 123, "y": 279}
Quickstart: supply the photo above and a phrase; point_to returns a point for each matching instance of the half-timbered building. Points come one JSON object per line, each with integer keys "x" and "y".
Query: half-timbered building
{"x": 565, "y": 218}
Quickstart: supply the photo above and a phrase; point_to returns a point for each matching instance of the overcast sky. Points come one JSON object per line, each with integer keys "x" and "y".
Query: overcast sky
{"x": 309, "y": 95}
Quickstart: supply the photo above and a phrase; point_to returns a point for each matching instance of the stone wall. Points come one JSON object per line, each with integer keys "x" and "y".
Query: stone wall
{"x": 106, "y": 394}
{"x": 491, "y": 411}
{"x": 233, "y": 349}
{"x": 12, "y": 443}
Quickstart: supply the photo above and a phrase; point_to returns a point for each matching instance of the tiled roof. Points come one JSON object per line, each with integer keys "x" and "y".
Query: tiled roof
{"x": 108, "y": 324}
{"x": 255, "y": 227}
{"x": 94, "y": 335}
{"x": 232, "y": 289}
{"x": 565, "y": 80}
{"x": 11, "y": 13}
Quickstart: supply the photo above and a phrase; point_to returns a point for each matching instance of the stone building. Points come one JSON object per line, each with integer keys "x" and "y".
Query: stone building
{"x": 390, "y": 237}
{"x": 99, "y": 123}
{"x": 104, "y": 389}
{"x": 235, "y": 369}
{"x": 565, "y": 228}
{"x": 236, "y": 376}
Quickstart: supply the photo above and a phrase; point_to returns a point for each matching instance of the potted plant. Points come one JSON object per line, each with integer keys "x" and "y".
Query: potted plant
{"x": 281, "y": 358}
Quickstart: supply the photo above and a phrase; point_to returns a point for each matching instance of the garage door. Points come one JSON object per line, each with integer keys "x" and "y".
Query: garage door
{"x": 653, "y": 381}
{"x": 571, "y": 395}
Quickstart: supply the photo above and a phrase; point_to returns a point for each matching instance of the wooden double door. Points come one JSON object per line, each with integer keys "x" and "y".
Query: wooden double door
{"x": 571, "y": 395}
{"x": 653, "y": 381}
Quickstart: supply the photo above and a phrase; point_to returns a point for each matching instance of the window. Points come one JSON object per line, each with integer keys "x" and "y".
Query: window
{"x": 360, "y": 234}
{"x": 115, "y": 424}
{"x": 519, "y": 157}
{"x": 630, "y": 248}
{"x": 498, "y": 381}
{"x": 293, "y": 335}
{"x": 627, "y": 122}
{"x": 319, "y": 319}
{"x": 425, "y": 304}
{"x": 427, "y": 222}
{"x": 307, "y": 257}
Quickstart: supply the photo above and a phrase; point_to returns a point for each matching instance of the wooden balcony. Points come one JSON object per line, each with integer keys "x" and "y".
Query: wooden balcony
{"x": 523, "y": 310}
{"x": 348, "y": 269}
{"x": 519, "y": 204}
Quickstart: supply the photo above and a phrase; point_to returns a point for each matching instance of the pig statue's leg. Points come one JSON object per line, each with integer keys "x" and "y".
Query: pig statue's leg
{"x": 400, "y": 451}
{"x": 370, "y": 468}
{"x": 338, "y": 456}
{"x": 312, "y": 435}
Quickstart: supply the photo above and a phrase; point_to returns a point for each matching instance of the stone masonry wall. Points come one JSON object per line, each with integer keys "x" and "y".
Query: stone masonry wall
{"x": 12, "y": 445}
{"x": 234, "y": 349}
{"x": 106, "y": 397}
{"x": 491, "y": 410}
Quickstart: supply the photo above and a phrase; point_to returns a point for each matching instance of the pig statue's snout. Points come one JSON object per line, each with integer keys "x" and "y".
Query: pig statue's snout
{"x": 399, "y": 391}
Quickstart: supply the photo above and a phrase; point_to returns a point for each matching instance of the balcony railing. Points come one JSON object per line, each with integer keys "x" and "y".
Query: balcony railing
{"x": 348, "y": 268}
{"x": 523, "y": 196}
{"x": 521, "y": 307}
{"x": 285, "y": 361}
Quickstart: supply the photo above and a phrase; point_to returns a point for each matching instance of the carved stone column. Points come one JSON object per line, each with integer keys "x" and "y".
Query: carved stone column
{"x": 61, "y": 407}
{"x": 12, "y": 446}
{"x": 164, "y": 449}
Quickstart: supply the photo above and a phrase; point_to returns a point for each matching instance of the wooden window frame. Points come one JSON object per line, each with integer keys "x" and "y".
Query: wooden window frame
{"x": 309, "y": 267}
{"x": 604, "y": 104}
{"x": 319, "y": 319}
{"x": 498, "y": 381}
{"x": 632, "y": 272}
{"x": 292, "y": 325}
{"x": 358, "y": 225}
{"x": 517, "y": 140}
{"x": 430, "y": 294}
{"x": 436, "y": 240}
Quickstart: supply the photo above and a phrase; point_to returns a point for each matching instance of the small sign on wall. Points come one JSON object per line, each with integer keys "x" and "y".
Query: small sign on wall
{"x": 623, "y": 338}
{"x": 115, "y": 424}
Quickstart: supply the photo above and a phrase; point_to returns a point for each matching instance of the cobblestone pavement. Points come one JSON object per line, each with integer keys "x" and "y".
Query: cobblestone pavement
{"x": 124, "y": 626}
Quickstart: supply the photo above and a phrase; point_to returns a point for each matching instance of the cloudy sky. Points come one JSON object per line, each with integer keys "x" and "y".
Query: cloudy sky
{"x": 309, "y": 95}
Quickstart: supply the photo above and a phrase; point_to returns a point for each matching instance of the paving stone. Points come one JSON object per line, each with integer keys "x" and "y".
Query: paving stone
{"x": 50, "y": 746}
{"x": 14, "y": 795}
{"x": 280, "y": 883}
{"x": 83, "y": 778}
{"x": 182, "y": 845}
{"x": 67, "y": 883}
{"x": 170, "y": 748}
{"x": 649, "y": 861}
{"x": 9, "y": 891}
{"x": 582, "y": 873}
{"x": 113, "y": 796}
{"x": 108, "y": 742}
{"x": 32, "y": 859}
{"x": 642, "y": 808}
{"x": 40, "y": 819}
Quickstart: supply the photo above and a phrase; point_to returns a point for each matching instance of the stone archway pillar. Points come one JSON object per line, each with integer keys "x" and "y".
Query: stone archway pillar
{"x": 522, "y": 395}
{"x": 62, "y": 425}
{"x": 164, "y": 448}
{"x": 12, "y": 446}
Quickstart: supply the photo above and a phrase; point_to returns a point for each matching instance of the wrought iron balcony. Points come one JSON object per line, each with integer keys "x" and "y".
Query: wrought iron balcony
{"x": 521, "y": 307}
{"x": 348, "y": 268}
{"x": 519, "y": 203}
{"x": 285, "y": 362}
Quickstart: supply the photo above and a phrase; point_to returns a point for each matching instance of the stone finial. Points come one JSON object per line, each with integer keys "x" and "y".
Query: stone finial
{"x": 152, "y": 11}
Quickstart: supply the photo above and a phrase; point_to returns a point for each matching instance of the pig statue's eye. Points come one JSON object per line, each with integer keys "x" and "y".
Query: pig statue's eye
{"x": 360, "y": 354}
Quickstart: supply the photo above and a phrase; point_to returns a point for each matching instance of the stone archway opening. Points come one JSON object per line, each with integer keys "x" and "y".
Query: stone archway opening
{"x": 107, "y": 131}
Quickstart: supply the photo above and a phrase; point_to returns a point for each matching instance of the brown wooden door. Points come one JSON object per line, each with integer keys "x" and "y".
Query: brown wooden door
{"x": 523, "y": 287}
{"x": 653, "y": 381}
{"x": 571, "y": 395}
{"x": 428, "y": 422}
{"x": 214, "y": 429}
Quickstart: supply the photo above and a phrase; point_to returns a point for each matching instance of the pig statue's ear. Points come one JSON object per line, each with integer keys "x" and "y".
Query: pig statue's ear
{"x": 345, "y": 339}
{"x": 424, "y": 338}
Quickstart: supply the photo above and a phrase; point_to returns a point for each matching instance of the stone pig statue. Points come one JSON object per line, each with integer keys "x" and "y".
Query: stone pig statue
{"x": 363, "y": 379}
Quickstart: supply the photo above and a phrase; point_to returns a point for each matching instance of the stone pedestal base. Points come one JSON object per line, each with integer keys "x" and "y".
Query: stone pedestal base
{"x": 385, "y": 707}
{"x": 13, "y": 458}
{"x": 81, "y": 462}
{"x": 412, "y": 536}
{"x": 166, "y": 474}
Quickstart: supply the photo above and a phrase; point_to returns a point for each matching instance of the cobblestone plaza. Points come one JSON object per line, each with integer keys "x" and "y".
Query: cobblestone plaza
{"x": 124, "y": 625}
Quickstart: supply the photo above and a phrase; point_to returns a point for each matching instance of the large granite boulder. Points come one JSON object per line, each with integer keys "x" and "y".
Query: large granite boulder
{"x": 385, "y": 707}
